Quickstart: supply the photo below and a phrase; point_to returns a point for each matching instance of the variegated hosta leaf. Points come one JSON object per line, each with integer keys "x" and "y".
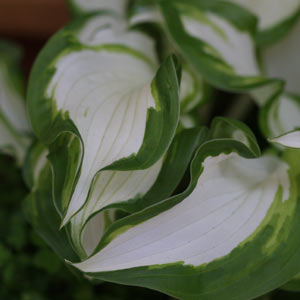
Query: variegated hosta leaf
{"x": 281, "y": 60}
{"x": 290, "y": 139}
{"x": 217, "y": 39}
{"x": 45, "y": 219}
{"x": 145, "y": 12}
{"x": 193, "y": 90}
{"x": 230, "y": 235}
{"x": 106, "y": 29}
{"x": 14, "y": 126}
{"x": 99, "y": 82}
{"x": 281, "y": 115}
{"x": 39, "y": 205}
{"x": 131, "y": 191}
{"x": 208, "y": 224}
{"x": 110, "y": 187}
{"x": 85, "y": 6}
{"x": 274, "y": 17}
{"x": 94, "y": 229}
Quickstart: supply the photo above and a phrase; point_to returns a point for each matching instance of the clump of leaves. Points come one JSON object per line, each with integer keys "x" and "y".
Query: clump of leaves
{"x": 117, "y": 128}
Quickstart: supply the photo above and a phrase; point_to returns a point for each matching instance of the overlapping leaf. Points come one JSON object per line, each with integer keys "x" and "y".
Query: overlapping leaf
{"x": 170, "y": 174}
{"x": 236, "y": 212}
{"x": 108, "y": 116}
{"x": 275, "y": 18}
{"x": 217, "y": 39}
{"x": 194, "y": 91}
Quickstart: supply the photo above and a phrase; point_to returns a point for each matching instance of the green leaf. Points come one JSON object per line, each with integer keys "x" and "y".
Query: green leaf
{"x": 293, "y": 285}
{"x": 216, "y": 37}
{"x": 174, "y": 166}
{"x": 79, "y": 7}
{"x": 230, "y": 235}
{"x": 5, "y": 255}
{"x": 193, "y": 90}
{"x": 34, "y": 163}
{"x": 39, "y": 205}
{"x": 280, "y": 59}
{"x": 16, "y": 235}
{"x": 275, "y": 18}
{"x": 47, "y": 260}
{"x": 14, "y": 126}
{"x": 88, "y": 226}
{"x": 280, "y": 115}
{"x": 129, "y": 132}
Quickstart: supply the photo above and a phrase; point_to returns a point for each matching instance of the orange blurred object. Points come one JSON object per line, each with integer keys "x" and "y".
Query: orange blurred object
{"x": 30, "y": 23}
{"x": 32, "y": 18}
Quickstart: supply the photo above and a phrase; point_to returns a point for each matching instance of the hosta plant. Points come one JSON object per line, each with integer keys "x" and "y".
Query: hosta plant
{"x": 128, "y": 183}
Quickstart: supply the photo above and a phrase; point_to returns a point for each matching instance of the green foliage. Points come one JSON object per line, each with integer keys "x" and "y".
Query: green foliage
{"x": 120, "y": 189}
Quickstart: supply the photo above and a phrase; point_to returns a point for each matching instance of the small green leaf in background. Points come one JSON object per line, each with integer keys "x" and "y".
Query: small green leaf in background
{"x": 5, "y": 255}
{"x": 47, "y": 260}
